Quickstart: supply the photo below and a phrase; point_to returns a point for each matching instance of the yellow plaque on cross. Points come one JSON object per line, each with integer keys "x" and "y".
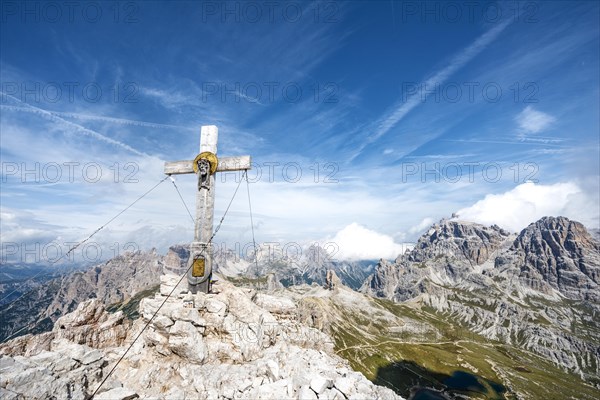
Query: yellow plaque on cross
{"x": 199, "y": 267}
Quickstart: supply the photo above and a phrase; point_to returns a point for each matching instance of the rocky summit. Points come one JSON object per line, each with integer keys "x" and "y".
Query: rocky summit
{"x": 537, "y": 290}
{"x": 231, "y": 344}
{"x": 557, "y": 254}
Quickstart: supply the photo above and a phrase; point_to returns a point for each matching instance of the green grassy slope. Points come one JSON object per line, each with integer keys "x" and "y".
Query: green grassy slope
{"x": 420, "y": 348}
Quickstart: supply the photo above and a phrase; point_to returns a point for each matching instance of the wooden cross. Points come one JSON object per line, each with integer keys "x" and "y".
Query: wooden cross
{"x": 205, "y": 165}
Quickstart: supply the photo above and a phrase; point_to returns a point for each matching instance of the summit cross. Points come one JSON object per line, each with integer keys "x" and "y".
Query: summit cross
{"x": 205, "y": 165}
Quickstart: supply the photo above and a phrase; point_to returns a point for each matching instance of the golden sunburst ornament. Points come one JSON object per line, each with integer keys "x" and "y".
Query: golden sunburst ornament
{"x": 210, "y": 157}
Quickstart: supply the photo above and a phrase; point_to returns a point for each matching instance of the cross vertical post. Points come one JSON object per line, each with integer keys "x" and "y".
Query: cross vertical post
{"x": 205, "y": 206}
{"x": 205, "y": 165}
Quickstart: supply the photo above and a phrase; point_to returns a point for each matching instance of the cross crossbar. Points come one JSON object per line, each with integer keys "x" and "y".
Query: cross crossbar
{"x": 225, "y": 164}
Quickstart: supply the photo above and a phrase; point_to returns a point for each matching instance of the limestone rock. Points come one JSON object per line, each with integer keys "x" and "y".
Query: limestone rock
{"x": 89, "y": 325}
{"x": 345, "y": 385}
{"x": 186, "y": 341}
{"x": 557, "y": 253}
{"x": 319, "y": 384}
{"x": 230, "y": 347}
{"x": 275, "y": 304}
{"x": 117, "y": 394}
{"x": 306, "y": 393}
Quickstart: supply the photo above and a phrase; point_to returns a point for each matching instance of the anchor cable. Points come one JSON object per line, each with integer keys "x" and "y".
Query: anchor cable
{"x": 84, "y": 240}
{"x": 168, "y": 296}
{"x": 252, "y": 226}
{"x": 183, "y": 201}
{"x": 227, "y": 209}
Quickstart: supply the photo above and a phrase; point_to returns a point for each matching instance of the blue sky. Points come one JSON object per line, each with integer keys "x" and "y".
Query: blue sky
{"x": 366, "y": 121}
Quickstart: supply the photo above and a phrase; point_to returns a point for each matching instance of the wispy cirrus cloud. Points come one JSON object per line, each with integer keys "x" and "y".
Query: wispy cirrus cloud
{"x": 76, "y": 128}
{"x": 90, "y": 117}
{"x": 397, "y": 112}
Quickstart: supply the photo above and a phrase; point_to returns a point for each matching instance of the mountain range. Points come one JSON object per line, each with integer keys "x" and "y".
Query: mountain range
{"x": 538, "y": 290}
{"x": 471, "y": 310}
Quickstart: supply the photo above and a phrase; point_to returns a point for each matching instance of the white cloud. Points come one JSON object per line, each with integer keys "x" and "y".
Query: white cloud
{"x": 421, "y": 226}
{"x": 528, "y": 202}
{"x": 23, "y": 227}
{"x": 356, "y": 242}
{"x": 533, "y": 121}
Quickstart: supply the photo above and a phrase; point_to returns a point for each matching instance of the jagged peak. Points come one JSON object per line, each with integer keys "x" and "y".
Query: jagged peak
{"x": 449, "y": 230}
{"x": 456, "y": 228}
{"x": 559, "y": 222}
{"x": 561, "y": 229}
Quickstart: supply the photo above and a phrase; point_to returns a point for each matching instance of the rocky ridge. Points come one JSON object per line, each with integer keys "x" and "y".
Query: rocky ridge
{"x": 232, "y": 344}
{"x": 111, "y": 282}
{"x": 291, "y": 265}
{"x": 126, "y": 276}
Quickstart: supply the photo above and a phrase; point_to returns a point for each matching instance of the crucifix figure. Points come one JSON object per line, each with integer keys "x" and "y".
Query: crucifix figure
{"x": 205, "y": 165}
{"x": 203, "y": 174}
